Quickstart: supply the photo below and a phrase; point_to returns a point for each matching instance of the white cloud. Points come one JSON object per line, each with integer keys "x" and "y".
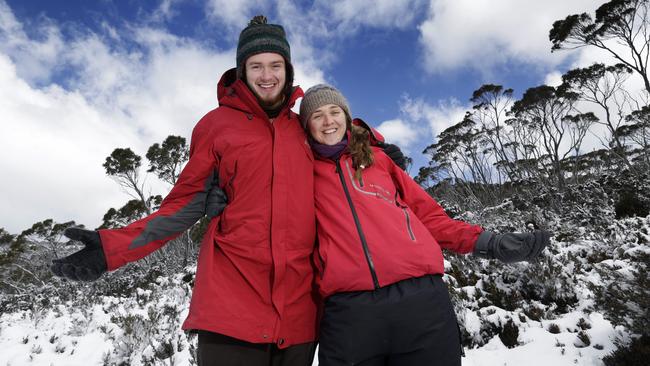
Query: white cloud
{"x": 38, "y": 58}
{"x": 315, "y": 31}
{"x": 164, "y": 11}
{"x": 55, "y": 138}
{"x": 397, "y": 131}
{"x": 439, "y": 117}
{"x": 53, "y": 144}
{"x": 482, "y": 34}
{"x": 598, "y": 136}
{"x": 553, "y": 78}
{"x": 57, "y": 133}
{"x": 348, "y": 15}
{"x": 235, "y": 14}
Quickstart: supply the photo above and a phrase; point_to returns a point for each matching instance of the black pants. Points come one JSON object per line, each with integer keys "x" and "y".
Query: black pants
{"x": 220, "y": 350}
{"x": 409, "y": 323}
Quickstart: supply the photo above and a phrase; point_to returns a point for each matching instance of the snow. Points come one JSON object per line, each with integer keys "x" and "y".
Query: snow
{"x": 68, "y": 336}
{"x": 141, "y": 324}
{"x": 51, "y": 339}
{"x": 540, "y": 347}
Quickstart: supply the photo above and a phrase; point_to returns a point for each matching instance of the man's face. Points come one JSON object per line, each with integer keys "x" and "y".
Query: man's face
{"x": 266, "y": 76}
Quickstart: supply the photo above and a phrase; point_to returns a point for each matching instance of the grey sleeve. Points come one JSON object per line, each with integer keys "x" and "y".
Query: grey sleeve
{"x": 164, "y": 226}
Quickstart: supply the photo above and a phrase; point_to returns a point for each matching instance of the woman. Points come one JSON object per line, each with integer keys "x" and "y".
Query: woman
{"x": 379, "y": 255}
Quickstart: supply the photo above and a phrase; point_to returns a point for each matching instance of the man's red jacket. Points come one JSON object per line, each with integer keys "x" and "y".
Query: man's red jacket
{"x": 254, "y": 277}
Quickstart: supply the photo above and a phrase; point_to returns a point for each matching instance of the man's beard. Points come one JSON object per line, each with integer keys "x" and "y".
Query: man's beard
{"x": 268, "y": 105}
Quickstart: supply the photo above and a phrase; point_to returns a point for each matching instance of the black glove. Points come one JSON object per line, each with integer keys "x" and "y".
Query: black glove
{"x": 511, "y": 247}
{"x": 394, "y": 152}
{"x": 216, "y": 200}
{"x": 88, "y": 264}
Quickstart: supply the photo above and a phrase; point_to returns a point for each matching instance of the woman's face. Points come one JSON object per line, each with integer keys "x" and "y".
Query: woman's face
{"x": 327, "y": 124}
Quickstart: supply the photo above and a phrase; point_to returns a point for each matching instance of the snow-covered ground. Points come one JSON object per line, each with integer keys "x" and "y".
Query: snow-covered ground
{"x": 562, "y": 306}
{"x": 542, "y": 348}
{"x": 113, "y": 331}
{"x": 70, "y": 338}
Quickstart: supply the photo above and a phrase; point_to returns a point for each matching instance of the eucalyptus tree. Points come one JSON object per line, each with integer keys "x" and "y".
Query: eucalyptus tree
{"x": 604, "y": 86}
{"x": 620, "y": 27}
{"x": 637, "y": 131}
{"x": 491, "y": 103}
{"x": 123, "y": 165}
{"x": 547, "y": 112}
{"x": 165, "y": 160}
{"x": 461, "y": 153}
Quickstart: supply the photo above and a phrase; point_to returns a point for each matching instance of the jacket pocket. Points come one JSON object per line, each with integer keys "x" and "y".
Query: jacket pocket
{"x": 229, "y": 188}
{"x": 320, "y": 262}
{"x": 407, "y": 218}
{"x": 358, "y": 186}
{"x": 409, "y": 229}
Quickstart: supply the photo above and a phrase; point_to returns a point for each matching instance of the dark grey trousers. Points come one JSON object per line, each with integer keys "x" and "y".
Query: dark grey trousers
{"x": 408, "y": 323}
{"x": 220, "y": 350}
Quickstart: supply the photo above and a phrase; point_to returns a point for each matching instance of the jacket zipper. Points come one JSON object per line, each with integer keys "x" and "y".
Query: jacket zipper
{"x": 362, "y": 237}
{"x": 408, "y": 223}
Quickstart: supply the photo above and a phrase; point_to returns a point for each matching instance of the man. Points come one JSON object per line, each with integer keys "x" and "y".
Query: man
{"x": 252, "y": 302}
{"x": 254, "y": 275}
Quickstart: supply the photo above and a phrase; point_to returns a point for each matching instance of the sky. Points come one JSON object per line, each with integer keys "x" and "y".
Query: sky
{"x": 81, "y": 78}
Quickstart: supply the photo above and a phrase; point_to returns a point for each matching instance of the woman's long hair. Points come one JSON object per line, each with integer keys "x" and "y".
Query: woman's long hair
{"x": 359, "y": 148}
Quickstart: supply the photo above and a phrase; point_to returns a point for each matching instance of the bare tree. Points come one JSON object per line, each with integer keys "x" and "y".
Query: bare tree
{"x": 123, "y": 165}
{"x": 460, "y": 153}
{"x": 548, "y": 110}
{"x": 49, "y": 233}
{"x": 524, "y": 147}
{"x": 491, "y": 103}
{"x": 578, "y": 125}
{"x": 625, "y": 22}
{"x": 166, "y": 160}
{"x": 637, "y": 131}
{"x": 603, "y": 85}
{"x": 25, "y": 258}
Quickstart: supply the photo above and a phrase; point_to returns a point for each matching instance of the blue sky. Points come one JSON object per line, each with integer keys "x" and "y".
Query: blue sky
{"x": 80, "y": 78}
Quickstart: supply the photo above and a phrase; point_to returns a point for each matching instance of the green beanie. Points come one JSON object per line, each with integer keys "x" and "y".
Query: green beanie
{"x": 260, "y": 37}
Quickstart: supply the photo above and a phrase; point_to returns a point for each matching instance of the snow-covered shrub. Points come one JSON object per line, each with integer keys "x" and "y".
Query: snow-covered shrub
{"x": 553, "y": 328}
{"x": 509, "y": 334}
{"x": 549, "y": 282}
{"x": 582, "y": 340}
{"x": 630, "y": 204}
{"x": 145, "y": 328}
{"x": 625, "y": 299}
{"x": 634, "y": 353}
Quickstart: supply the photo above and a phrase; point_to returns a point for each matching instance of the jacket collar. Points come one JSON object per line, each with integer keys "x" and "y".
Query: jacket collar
{"x": 234, "y": 93}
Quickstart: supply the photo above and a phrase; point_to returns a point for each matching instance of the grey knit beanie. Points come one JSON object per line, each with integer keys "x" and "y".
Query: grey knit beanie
{"x": 318, "y": 96}
{"x": 260, "y": 37}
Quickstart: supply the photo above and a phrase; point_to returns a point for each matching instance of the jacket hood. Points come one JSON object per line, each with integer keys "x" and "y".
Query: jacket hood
{"x": 234, "y": 93}
{"x": 375, "y": 137}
